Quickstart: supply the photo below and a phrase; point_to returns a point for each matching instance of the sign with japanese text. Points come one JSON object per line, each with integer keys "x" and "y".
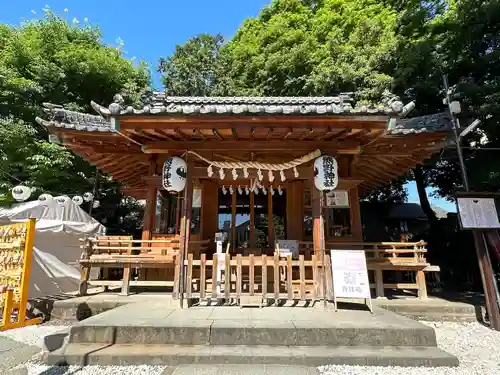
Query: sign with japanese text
{"x": 478, "y": 213}
{"x": 350, "y": 274}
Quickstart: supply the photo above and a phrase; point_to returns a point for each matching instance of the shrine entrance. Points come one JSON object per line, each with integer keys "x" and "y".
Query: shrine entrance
{"x": 251, "y": 219}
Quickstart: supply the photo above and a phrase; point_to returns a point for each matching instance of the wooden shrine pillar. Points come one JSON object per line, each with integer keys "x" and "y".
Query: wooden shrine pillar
{"x": 149, "y": 209}
{"x": 295, "y": 210}
{"x": 317, "y": 214}
{"x": 187, "y": 210}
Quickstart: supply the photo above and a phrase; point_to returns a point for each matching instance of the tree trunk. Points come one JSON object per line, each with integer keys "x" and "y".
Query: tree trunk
{"x": 422, "y": 195}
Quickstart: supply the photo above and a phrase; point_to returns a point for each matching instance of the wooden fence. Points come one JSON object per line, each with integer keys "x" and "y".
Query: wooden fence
{"x": 263, "y": 277}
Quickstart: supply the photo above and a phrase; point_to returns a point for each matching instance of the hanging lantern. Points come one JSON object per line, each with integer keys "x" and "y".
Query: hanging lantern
{"x": 77, "y": 200}
{"x": 87, "y": 197}
{"x": 21, "y": 193}
{"x": 174, "y": 174}
{"x": 61, "y": 199}
{"x": 45, "y": 198}
{"x": 326, "y": 173}
{"x": 96, "y": 204}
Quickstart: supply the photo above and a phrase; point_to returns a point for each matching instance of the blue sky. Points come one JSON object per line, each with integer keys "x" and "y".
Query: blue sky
{"x": 152, "y": 29}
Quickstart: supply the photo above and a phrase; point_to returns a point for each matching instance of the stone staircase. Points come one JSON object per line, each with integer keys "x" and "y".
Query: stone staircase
{"x": 152, "y": 334}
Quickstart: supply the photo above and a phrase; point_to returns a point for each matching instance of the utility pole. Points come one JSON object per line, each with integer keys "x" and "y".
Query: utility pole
{"x": 491, "y": 295}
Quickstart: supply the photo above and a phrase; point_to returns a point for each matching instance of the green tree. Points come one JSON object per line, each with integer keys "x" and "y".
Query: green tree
{"x": 50, "y": 60}
{"x": 314, "y": 48}
{"x": 196, "y": 68}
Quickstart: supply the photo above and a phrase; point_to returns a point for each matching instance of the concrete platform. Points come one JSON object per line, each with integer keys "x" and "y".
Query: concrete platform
{"x": 73, "y": 309}
{"x": 156, "y": 334}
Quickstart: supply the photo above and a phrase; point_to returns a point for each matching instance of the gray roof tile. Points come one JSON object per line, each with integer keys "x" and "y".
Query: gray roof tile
{"x": 58, "y": 117}
{"x": 416, "y": 125}
{"x": 241, "y": 105}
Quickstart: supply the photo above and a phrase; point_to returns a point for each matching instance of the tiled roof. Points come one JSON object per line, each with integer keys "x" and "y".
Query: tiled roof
{"x": 58, "y": 117}
{"x": 63, "y": 118}
{"x": 171, "y": 105}
{"x": 429, "y": 123}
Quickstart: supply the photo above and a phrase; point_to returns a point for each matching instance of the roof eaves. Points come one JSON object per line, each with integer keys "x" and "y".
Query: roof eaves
{"x": 439, "y": 122}
{"x": 342, "y": 104}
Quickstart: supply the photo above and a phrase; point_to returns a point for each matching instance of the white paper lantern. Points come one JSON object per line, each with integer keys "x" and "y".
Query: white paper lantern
{"x": 62, "y": 199}
{"x": 20, "y": 193}
{"x": 174, "y": 174}
{"x": 77, "y": 200}
{"x": 326, "y": 175}
{"x": 45, "y": 197}
{"x": 96, "y": 204}
{"x": 87, "y": 197}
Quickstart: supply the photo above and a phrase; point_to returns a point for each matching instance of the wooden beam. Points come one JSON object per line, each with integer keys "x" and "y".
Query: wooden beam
{"x": 235, "y": 134}
{"x": 180, "y": 134}
{"x": 216, "y": 133}
{"x": 309, "y": 132}
{"x": 363, "y": 121}
{"x": 269, "y": 134}
{"x": 289, "y": 133}
{"x": 346, "y": 147}
{"x": 200, "y": 134}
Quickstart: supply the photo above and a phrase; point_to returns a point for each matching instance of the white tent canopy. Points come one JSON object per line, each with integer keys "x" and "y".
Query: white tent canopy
{"x": 54, "y": 217}
{"x": 57, "y": 247}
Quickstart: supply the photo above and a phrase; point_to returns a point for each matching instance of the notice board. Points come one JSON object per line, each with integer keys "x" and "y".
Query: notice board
{"x": 350, "y": 275}
{"x": 478, "y": 213}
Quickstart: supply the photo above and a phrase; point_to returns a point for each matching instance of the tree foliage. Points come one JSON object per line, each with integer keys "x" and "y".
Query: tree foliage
{"x": 196, "y": 68}
{"x": 50, "y": 60}
{"x": 314, "y": 48}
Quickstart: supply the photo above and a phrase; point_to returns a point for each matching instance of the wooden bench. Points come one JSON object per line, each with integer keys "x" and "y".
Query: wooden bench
{"x": 116, "y": 252}
{"x": 388, "y": 256}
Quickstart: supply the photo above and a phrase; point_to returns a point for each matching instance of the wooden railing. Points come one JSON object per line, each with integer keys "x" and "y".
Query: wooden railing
{"x": 260, "y": 277}
{"x": 124, "y": 253}
{"x": 407, "y": 257}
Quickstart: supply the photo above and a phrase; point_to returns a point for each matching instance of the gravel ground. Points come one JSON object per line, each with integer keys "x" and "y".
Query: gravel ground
{"x": 477, "y": 348}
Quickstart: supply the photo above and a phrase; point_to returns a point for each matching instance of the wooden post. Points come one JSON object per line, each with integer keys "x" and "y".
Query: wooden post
{"x": 488, "y": 280}
{"x": 26, "y": 272}
{"x": 233, "y": 220}
{"x": 149, "y": 209}
{"x": 186, "y": 224}
{"x": 252, "y": 219}
{"x": 318, "y": 232}
{"x": 270, "y": 226}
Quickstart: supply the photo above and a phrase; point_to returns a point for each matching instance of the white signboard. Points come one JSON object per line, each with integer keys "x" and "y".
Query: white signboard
{"x": 350, "y": 275}
{"x": 478, "y": 213}
{"x": 337, "y": 198}
{"x": 288, "y": 247}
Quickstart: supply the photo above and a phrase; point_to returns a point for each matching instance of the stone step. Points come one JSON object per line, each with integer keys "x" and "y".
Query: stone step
{"x": 437, "y": 317}
{"x": 173, "y": 355}
{"x": 441, "y": 308}
{"x": 255, "y": 332}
